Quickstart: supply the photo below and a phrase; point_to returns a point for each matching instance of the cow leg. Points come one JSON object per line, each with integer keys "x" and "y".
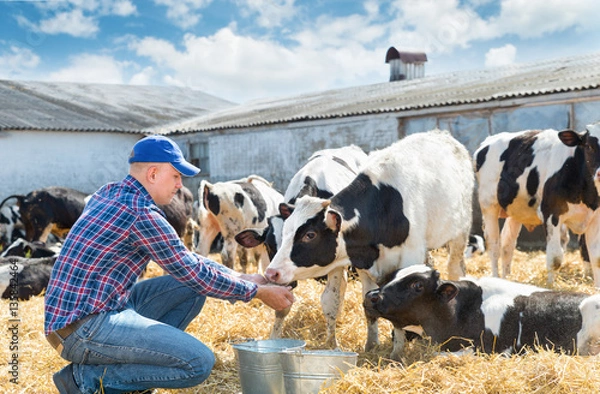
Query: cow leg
{"x": 554, "y": 250}
{"x": 398, "y": 342}
{"x": 456, "y": 257}
{"x": 491, "y": 233}
{"x": 277, "y": 329}
{"x": 263, "y": 259}
{"x": 510, "y": 233}
{"x": 228, "y": 253}
{"x": 592, "y": 238}
{"x": 372, "y": 329}
{"x": 242, "y": 254}
{"x": 332, "y": 301}
{"x": 588, "y": 338}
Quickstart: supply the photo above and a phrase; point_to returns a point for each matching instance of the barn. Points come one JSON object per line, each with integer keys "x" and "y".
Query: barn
{"x": 76, "y": 135}
{"x": 79, "y": 135}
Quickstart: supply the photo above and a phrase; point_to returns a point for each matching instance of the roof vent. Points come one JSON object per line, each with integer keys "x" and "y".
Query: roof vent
{"x": 405, "y": 65}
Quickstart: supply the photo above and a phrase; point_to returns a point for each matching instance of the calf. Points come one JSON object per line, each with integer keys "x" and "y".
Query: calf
{"x": 21, "y": 278}
{"x": 325, "y": 173}
{"x": 489, "y": 314}
{"x": 475, "y": 247}
{"x": 23, "y": 248}
{"x": 412, "y": 196}
{"x": 230, "y": 207}
{"x": 49, "y": 210}
{"x": 11, "y": 225}
{"x": 546, "y": 178}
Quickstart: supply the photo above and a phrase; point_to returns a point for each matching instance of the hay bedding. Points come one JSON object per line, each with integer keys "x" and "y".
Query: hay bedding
{"x": 221, "y": 324}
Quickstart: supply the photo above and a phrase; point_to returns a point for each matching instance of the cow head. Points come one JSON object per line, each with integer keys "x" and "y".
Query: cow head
{"x": 36, "y": 216}
{"x": 312, "y": 244}
{"x": 411, "y": 296}
{"x": 269, "y": 236}
{"x": 588, "y": 142}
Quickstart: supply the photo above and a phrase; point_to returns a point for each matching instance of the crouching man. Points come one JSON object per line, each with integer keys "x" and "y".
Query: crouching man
{"x": 122, "y": 336}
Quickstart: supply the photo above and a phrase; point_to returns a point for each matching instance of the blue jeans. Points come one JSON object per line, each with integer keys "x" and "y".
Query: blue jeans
{"x": 143, "y": 346}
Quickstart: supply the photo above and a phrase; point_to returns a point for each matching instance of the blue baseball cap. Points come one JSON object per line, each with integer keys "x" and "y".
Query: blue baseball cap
{"x": 160, "y": 149}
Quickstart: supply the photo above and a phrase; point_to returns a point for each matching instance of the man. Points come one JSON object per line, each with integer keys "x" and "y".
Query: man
{"x": 122, "y": 336}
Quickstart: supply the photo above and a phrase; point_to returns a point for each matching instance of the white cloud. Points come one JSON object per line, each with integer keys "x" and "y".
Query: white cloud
{"x": 122, "y": 8}
{"x": 143, "y": 77}
{"x": 502, "y": 56}
{"x": 70, "y": 22}
{"x": 16, "y": 60}
{"x": 327, "y": 32}
{"x": 271, "y": 13}
{"x": 237, "y": 68}
{"x": 534, "y": 18}
{"x": 78, "y": 18}
{"x": 90, "y": 68}
{"x": 435, "y": 26}
{"x": 184, "y": 12}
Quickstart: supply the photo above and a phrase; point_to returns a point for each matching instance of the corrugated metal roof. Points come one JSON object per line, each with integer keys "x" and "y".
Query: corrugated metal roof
{"x": 97, "y": 107}
{"x": 465, "y": 87}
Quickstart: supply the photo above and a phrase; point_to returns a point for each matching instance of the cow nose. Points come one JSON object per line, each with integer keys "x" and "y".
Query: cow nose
{"x": 272, "y": 275}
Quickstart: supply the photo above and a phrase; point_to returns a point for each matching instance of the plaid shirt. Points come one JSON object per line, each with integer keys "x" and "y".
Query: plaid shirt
{"x": 119, "y": 232}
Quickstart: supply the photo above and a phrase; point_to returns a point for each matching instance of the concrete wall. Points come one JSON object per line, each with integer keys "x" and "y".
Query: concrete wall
{"x": 31, "y": 160}
{"x": 278, "y": 152}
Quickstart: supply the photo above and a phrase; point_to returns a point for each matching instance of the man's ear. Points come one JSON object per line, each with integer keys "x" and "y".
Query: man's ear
{"x": 151, "y": 174}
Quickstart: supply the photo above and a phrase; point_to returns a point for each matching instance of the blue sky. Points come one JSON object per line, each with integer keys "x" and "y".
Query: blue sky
{"x": 242, "y": 50}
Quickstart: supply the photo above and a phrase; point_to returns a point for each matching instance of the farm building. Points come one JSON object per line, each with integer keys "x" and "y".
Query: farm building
{"x": 77, "y": 135}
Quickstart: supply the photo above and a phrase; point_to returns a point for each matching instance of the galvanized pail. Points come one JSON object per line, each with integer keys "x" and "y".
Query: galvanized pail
{"x": 305, "y": 372}
{"x": 259, "y": 364}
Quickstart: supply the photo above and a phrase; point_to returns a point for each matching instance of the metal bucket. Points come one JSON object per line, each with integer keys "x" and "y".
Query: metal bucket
{"x": 259, "y": 364}
{"x": 306, "y": 372}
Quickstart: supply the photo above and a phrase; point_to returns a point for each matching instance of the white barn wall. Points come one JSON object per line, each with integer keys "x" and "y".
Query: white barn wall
{"x": 80, "y": 160}
{"x": 277, "y": 152}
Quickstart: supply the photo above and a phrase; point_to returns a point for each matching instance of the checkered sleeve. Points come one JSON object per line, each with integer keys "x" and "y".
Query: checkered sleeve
{"x": 205, "y": 276}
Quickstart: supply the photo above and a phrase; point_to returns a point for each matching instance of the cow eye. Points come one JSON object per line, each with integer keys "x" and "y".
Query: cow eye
{"x": 417, "y": 286}
{"x": 309, "y": 236}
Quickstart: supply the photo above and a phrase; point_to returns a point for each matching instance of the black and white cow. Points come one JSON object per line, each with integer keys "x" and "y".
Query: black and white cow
{"x": 23, "y": 248}
{"x": 325, "y": 173}
{"x": 412, "y": 196}
{"x": 230, "y": 207}
{"x": 49, "y": 210}
{"x": 475, "y": 246}
{"x": 488, "y": 314}
{"x": 11, "y": 226}
{"x": 21, "y": 278}
{"x": 540, "y": 177}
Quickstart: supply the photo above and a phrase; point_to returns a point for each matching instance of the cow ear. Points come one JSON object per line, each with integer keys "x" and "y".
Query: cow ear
{"x": 571, "y": 138}
{"x": 333, "y": 220}
{"x": 250, "y": 238}
{"x": 285, "y": 210}
{"x": 447, "y": 291}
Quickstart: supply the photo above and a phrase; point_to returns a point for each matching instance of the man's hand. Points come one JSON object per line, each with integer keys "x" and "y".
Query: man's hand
{"x": 276, "y": 297}
{"x": 254, "y": 278}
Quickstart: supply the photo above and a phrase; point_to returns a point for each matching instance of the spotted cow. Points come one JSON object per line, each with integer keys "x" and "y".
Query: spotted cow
{"x": 412, "y": 196}
{"x": 230, "y": 207}
{"x": 325, "y": 173}
{"x": 488, "y": 314}
{"x": 540, "y": 177}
